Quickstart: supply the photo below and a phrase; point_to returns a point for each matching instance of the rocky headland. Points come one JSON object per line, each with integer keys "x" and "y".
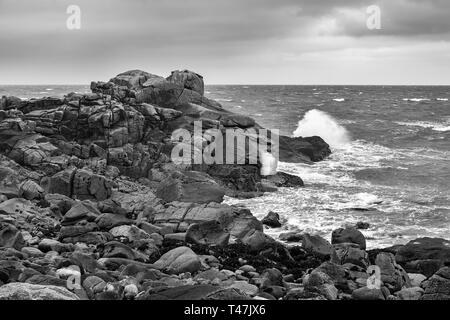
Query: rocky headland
{"x": 93, "y": 207}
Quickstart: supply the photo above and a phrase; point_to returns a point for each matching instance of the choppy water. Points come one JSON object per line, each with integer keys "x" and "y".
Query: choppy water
{"x": 390, "y": 165}
{"x": 391, "y": 155}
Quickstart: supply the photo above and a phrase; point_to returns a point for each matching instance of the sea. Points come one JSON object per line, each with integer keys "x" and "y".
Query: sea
{"x": 390, "y": 162}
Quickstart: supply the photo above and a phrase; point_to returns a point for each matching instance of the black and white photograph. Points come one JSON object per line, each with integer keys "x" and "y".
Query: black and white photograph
{"x": 229, "y": 157}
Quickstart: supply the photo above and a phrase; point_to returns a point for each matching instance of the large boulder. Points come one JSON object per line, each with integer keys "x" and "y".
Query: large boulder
{"x": 189, "y": 80}
{"x": 272, "y": 219}
{"x": 298, "y": 149}
{"x": 179, "y": 260}
{"x": 317, "y": 245}
{"x": 392, "y": 275}
{"x": 424, "y": 248}
{"x": 28, "y": 291}
{"x": 348, "y": 235}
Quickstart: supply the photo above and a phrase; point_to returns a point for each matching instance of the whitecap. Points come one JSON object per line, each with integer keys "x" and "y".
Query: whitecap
{"x": 319, "y": 123}
{"x": 442, "y": 99}
{"x": 416, "y": 99}
{"x": 339, "y": 100}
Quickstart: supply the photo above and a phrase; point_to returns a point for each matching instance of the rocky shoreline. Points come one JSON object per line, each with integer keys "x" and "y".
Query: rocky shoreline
{"x": 92, "y": 207}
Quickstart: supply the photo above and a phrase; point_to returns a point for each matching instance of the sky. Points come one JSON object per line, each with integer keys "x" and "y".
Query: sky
{"x": 227, "y": 41}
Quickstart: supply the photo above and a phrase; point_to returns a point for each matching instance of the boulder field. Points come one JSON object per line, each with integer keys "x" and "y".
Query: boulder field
{"x": 93, "y": 207}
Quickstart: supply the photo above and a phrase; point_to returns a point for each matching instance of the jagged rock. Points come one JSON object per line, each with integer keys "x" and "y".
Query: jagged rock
{"x": 321, "y": 283}
{"x": 77, "y": 229}
{"x": 438, "y": 286}
{"x": 336, "y": 273}
{"x": 392, "y": 274}
{"x": 282, "y": 179}
{"x": 130, "y": 232}
{"x": 80, "y": 211}
{"x": 191, "y": 187}
{"x": 93, "y": 285}
{"x": 348, "y": 235}
{"x": 350, "y": 253}
{"x": 27, "y": 291}
{"x": 108, "y": 221}
{"x": 189, "y": 80}
{"x": 207, "y": 233}
{"x": 272, "y": 219}
{"x": 30, "y": 190}
{"x": 11, "y": 237}
{"x": 179, "y": 260}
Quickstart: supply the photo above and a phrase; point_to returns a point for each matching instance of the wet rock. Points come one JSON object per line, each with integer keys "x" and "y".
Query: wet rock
{"x": 272, "y": 219}
{"x": 423, "y": 249}
{"x": 27, "y": 291}
{"x": 179, "y": 260}
{"x": 362, "y": 225}
{"x": 348, "y": 235}
{"x": 299, "y": 149}
{"x": 292, "y": 236}
{"x": 316, "y": 244}
{"x": 207, "y": 233}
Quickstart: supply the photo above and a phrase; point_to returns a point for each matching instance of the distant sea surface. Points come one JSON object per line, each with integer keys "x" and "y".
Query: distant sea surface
{"x": 390, "y": 165}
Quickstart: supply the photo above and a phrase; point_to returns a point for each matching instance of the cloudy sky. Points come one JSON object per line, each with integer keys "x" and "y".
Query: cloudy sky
{"x": 227, "y": 41}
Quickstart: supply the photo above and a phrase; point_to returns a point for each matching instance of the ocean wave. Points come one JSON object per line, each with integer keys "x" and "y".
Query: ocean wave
{"x": 442, "y": 99}
{"x": 339, "y": 100}
{"x": 319, "y": 123}
{"x": 440, "y": 127}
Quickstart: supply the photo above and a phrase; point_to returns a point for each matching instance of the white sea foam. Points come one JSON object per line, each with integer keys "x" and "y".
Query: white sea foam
{"x": 440, "y": 127}
{"x": 442, "y": 99}
{"x": 416, "y": 99}
{"x": 319, "y": 123}
{"x": 339, "y": 100}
